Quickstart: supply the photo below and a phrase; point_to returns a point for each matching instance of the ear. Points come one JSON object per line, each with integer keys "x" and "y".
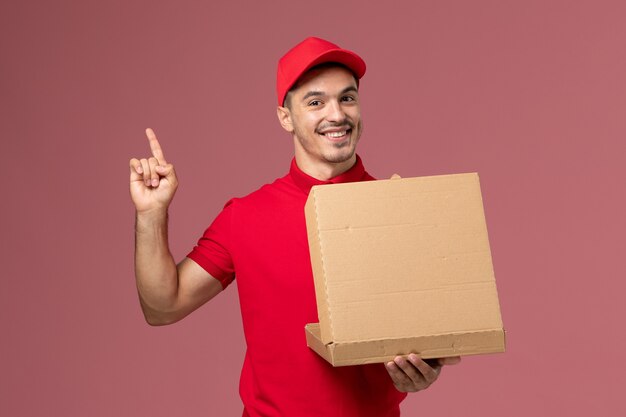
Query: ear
{"x": 284, "y": 118}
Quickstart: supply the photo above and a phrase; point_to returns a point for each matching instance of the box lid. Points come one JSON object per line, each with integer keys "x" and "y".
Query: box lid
{"x": 401, "y": 258}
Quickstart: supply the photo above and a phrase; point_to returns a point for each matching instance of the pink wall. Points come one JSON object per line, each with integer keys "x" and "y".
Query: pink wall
{"x": 531, "y": 94}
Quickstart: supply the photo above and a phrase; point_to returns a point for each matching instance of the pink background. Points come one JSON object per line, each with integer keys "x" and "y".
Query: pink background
{"x": 530, "y": 94}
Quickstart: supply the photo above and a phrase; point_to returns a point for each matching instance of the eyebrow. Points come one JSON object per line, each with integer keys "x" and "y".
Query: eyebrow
{"x": 321, "y": 93}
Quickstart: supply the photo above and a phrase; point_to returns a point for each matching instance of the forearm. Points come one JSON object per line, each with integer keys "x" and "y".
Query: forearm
{"x": 155, "y": 268}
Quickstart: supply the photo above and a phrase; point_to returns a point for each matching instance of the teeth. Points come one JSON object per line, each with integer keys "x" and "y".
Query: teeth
{"x": 336, "y": 134}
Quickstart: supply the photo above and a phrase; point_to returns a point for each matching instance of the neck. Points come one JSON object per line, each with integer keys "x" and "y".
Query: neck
{"x": 323, "y": 170}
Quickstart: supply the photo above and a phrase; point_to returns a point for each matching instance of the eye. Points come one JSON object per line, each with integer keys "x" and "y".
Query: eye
{"x": 314, "y": 103}
{"x": 347, "y": 98}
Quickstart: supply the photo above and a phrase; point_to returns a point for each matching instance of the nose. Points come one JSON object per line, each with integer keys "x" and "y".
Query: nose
{"x": 335, "y": 112}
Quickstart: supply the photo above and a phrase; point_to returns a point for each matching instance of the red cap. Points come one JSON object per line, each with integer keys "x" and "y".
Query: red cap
{"x": 307, "y": 54}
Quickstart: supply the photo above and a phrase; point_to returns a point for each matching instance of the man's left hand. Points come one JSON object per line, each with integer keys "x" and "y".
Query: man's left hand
{"x": 411, "y": 373}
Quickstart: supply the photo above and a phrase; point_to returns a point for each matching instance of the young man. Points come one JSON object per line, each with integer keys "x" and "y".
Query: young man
{"x": 318, "y": 104}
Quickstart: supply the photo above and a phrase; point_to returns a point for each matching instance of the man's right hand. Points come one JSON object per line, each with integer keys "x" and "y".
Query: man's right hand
{"x": 153, "y": 181}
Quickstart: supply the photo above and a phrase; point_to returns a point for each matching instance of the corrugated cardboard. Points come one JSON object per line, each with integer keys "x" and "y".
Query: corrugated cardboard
{"x": 401, "y": 266}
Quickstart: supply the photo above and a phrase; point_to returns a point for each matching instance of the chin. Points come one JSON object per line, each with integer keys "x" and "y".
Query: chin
{"x": 339, "y": 157}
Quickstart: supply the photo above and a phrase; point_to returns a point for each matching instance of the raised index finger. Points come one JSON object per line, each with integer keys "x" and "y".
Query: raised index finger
{"x": 157, "y": 152}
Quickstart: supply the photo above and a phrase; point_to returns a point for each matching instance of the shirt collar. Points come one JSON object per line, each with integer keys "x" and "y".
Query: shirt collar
{"x": 305, "y": 181}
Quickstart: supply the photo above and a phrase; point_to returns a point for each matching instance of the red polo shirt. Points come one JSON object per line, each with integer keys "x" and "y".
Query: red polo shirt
{"x": 261, "y": 238}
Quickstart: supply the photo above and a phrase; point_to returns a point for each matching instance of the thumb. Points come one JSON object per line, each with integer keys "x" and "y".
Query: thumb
{"x": 166, "y": 171}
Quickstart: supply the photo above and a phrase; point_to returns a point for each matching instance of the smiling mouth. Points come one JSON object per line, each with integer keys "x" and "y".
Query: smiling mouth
{"x": 337, "y": 136}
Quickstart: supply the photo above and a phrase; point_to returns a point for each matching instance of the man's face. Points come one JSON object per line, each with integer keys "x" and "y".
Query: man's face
{"x": 325, "y": 116}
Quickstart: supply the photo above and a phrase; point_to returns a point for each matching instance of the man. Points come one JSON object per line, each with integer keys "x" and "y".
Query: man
{"x": 262, "y": 239}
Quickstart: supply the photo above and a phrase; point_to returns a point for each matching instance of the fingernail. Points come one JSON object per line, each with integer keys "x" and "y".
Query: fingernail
{"x": 147, "y": 182}
{"x": 139, "y": 170}
{"x": 413, "y": 357}
{"x": 155, "y": 182}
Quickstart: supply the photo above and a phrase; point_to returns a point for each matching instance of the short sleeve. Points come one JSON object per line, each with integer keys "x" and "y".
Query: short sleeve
{"x": 212, "y": 251}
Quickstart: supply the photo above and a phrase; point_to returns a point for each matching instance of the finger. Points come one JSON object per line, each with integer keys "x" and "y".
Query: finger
{"x": 155, "y": 147}
{"x": 154, "y": 176}
{"x": 429, "y": 373}
{"x": 434, "y": 364}
{"x": 410, "y": 370}
{"x": 449, "y": 361}
{"x": 135, "y": 170}
{"x": 399, "y": 378}
{"x": 146, "y": 171}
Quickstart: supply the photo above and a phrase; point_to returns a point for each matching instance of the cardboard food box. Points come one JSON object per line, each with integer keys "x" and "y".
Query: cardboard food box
{"x": 401, "y": 266}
